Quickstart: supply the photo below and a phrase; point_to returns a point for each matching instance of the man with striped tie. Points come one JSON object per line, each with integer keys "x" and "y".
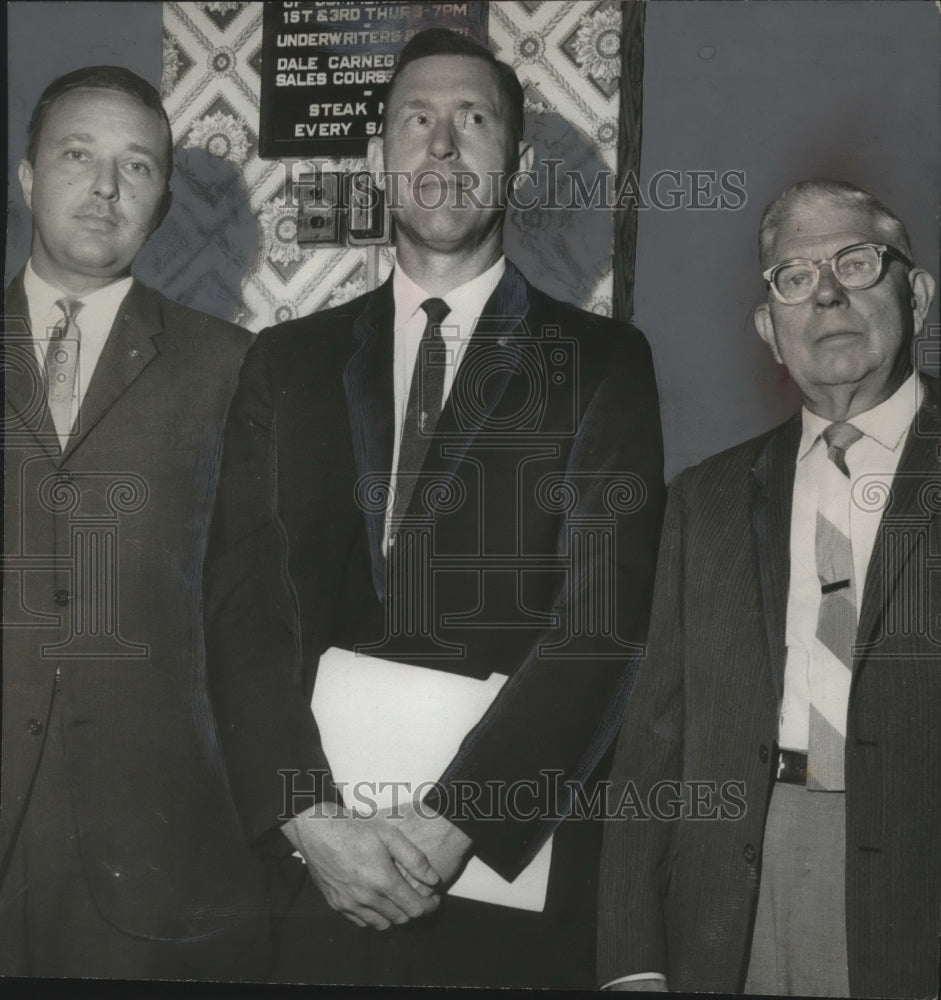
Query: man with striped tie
{"x": 794, "y": 661}
{"x": 120, "y": 856}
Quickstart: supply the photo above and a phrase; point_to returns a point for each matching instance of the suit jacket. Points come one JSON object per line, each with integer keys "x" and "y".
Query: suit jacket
{"x": 679, "y": 897}
{"x": 552, "y": 423}
{"x": 103, "y": 549}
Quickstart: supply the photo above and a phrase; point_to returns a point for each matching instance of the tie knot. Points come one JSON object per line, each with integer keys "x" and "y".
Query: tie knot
{"x": 839, "y": 437}
{"x": 436, "y": 310}
{"x": 70, "y": 308}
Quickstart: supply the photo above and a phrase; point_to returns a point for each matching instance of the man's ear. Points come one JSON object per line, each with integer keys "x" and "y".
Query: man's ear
{"x": 765, "y": 327}
{"x": 375, "y": 157}
{"x": 922, "y": 294}
{"x": 525, "y": 158}
{"x": 25, "y": 174}
{"x": 165, "y": 204}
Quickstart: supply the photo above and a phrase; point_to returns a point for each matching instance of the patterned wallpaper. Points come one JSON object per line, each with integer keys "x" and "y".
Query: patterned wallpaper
{"x": 228, "y": 245}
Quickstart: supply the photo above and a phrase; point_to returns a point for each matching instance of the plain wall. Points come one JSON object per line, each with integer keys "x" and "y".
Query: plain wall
{"x": 782, "y": 91}
{"x": 46, "y": 40}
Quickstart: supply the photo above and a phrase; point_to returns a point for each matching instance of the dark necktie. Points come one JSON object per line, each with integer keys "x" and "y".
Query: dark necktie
{"x": 61, "y": 367}
{"x": 832, "y": 663}
{"x": 423, "y": 409}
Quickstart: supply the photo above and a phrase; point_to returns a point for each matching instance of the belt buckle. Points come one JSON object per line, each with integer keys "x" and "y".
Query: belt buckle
{"x": 792, "y": 767}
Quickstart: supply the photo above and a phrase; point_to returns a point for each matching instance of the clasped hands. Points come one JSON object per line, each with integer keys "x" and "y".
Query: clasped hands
{"x": 383, "y": 869}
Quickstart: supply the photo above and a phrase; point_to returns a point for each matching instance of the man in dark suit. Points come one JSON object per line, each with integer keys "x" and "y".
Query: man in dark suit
{"x": 120, "y": 852}
{"x": 521, "y": 438}
{"x": 790, "y": 697}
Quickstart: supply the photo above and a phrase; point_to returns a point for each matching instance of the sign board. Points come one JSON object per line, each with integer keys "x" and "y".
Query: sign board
{"x": 325, "y": 69}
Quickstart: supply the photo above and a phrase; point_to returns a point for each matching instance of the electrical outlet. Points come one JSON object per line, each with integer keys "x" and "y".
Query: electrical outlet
{"x": 318, "y": 212}
{"x": 334, "y": 209}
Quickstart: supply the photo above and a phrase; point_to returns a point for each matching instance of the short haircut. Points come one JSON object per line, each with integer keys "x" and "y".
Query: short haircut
{"x": 100, "y": 78}
{"x": 445, "y": 42}
{"x": 825, "y": 189}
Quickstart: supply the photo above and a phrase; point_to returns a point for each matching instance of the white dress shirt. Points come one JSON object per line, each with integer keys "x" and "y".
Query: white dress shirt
{"x": 872, "y": 462}
{"x": 98, "y": 313}
{"x": 466, "y": 304}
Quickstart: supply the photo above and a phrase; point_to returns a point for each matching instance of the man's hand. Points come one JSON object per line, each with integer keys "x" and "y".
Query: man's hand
{"x": 366, "y": 868}
{"x": 443, "y": 844}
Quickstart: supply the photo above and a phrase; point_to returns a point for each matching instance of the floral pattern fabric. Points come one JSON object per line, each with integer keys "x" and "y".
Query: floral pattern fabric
{"x": 230, "y": 243}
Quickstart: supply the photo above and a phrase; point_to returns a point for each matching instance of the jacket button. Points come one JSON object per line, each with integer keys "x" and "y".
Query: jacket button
{"x": 34, "y": 727}
{"x": 61, "y": 597}
{"x": 750, "y": 853}
{"x": 763, "y": 752}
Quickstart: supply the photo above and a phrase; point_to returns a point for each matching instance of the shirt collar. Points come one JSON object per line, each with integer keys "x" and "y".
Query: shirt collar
{"x": 886, "y": 423}
{"x": 41, "y": 297}
{"x": 468, "y": 299}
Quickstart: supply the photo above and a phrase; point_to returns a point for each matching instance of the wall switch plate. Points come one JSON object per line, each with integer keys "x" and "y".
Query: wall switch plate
{"x": 368, "y": 220}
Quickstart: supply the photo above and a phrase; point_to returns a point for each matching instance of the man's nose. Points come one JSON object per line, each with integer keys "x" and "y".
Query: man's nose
{"x": 829, "y": 291}
{"x": 105, "y": 183}
{"x": 443, "y": 144}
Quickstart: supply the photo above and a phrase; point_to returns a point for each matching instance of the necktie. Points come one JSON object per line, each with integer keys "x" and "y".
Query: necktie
{"x": 424, "y": 406}
{"x": 832, "y": 661}
{"x": 61, "y": 367}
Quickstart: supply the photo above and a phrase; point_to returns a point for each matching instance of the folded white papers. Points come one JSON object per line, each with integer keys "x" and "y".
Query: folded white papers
{"x": 389, "y": 730}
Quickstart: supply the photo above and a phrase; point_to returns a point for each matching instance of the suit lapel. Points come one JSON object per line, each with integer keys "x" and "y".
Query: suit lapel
{"x": 129, "y": 349}
{"x": 905, "y": 521}
{"x": 772, "y": 488}
{"x": 368, "y": 383}
{"x": 492, "y": 358}
{"x": 23, "y": 381}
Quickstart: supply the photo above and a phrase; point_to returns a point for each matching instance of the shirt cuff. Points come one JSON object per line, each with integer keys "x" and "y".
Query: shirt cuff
{"x": 635, "y": 978}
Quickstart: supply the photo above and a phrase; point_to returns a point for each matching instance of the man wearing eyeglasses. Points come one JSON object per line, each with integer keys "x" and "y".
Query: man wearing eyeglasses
{"x": 788, "y": 705}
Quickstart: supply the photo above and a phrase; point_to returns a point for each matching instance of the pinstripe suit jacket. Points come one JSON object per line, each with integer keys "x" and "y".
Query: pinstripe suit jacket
{"x": 679, "y": 896}
{"x": 102, "y": 553}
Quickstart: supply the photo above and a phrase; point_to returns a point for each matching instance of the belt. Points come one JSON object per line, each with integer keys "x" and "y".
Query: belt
{"x": 792, "y": 767}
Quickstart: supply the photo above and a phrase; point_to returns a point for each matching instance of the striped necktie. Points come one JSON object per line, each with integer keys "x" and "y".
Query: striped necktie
{"x": 831, "y": 667}
{"x": 62, "y": 366}
{"x": 425, "y": 399}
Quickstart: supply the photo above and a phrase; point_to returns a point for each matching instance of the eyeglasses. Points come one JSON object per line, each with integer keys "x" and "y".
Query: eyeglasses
{"x": 857, "y": 266}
